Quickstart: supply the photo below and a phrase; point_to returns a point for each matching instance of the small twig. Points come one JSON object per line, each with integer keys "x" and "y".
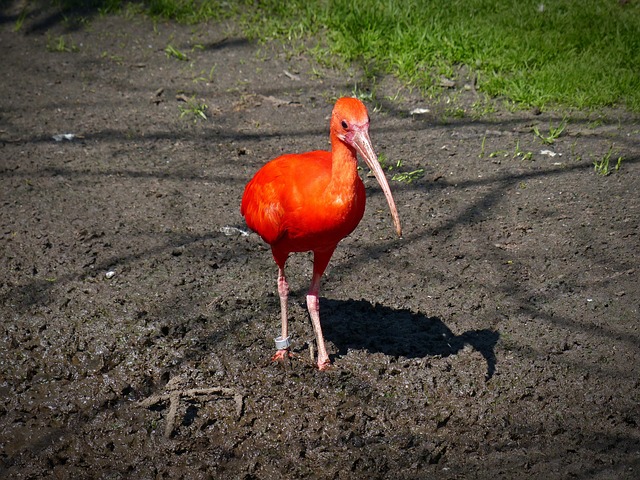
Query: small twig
{"x": 474, "y": 83}
{"x": 312, "y": 352}
{"x": 217, "y": 43}
{"x": 278, "y": 102}
{"x": 292, "y": 76}
{"x": 174, "y": 400}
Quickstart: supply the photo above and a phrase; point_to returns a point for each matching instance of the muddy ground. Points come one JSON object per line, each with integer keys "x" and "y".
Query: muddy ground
{"x": 498, "y": 338}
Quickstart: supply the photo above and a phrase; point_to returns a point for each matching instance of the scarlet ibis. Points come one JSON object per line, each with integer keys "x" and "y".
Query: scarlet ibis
{"x": 311, "y": 201}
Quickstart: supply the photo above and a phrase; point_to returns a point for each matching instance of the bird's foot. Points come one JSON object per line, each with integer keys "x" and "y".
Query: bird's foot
{"x": 324, "y": 365}
{"x": 281, "y": 355}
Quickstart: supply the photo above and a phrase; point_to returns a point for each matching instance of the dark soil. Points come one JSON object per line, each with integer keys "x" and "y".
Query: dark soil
{"x": 498, "y": 338}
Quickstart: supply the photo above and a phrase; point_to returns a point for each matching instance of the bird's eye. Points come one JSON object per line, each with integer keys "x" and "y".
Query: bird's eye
{"x": 344, "y": 124}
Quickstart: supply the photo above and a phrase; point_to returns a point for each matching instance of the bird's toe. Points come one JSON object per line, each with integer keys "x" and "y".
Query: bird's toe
{"x": 324, "y": 365}
{"x": 281, "y": 355}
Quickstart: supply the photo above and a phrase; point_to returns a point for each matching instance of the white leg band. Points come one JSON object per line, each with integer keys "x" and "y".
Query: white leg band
{"x": 282, "y": 343}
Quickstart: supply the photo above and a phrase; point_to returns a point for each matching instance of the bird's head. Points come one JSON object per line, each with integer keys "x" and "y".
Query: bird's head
{"x": 349, "y": 120}
{"x": 350, "y": 124}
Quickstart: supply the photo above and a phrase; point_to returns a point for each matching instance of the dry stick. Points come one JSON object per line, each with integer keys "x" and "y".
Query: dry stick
{"x": 312, "y": 352}
{"x": 174, "y": 400}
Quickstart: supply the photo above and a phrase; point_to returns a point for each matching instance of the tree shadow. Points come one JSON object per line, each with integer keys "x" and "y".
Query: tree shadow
{"x": 358, "y": 324}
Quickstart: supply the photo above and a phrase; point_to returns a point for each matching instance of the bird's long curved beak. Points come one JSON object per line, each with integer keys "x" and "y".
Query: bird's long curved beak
{"x": 363, "y": 144}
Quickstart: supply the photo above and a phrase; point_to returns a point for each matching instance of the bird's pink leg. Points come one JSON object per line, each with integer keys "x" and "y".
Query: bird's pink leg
{"x": 283, "y": 292}
{"x": 313, "y": 304}
{"x": 320, "y": 262}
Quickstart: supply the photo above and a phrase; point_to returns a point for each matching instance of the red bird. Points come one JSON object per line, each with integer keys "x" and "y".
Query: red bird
{"x": 311, "y": 201}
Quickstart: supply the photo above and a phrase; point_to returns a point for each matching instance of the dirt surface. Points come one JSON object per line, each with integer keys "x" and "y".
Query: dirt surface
{"x": 498, "y": 338}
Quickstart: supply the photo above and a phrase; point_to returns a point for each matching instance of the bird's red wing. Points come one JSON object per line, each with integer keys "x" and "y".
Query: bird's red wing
{"x": 281, "y": 188}
{"x": 261, "y": 207}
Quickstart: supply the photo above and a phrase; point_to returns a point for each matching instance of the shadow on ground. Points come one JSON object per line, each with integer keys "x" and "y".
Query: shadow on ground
{"x": 358, "y": 324}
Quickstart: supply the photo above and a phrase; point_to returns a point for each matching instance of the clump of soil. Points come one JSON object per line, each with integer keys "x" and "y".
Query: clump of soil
{"x": 498, "y": 338}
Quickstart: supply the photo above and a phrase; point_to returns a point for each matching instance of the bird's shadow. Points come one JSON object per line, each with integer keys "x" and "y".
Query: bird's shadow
{"x": 358, "y": 324}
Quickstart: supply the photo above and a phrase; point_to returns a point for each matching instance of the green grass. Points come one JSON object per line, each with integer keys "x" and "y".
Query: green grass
{"x": 571, "y": 53}
{"x": 554, "y": 132}
{"x": 193, "y": 108}
{"x": 408, "y": 177}
{"x": 577, "y": 53}
{"x": 60, "y": 44}
{"x": 172, "y": 51}
{"x": 405, "y": 177}
{"x": 601, "y": 166}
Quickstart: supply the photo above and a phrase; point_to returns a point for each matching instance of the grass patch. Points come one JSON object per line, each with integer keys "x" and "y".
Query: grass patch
{"x": 172, "y": 51}
{"x": 602, "y": 166}
{"x": 60, "y": 44}
{"x": 408, "y": 177}
{"x": 193, "y": 108}
{"x": 571, "y": 53}
{"x": 405, "y": 177}
{"x": 562, "y": 54}
{"x": 519, "y": 153}
{"x": 554, "y": 132}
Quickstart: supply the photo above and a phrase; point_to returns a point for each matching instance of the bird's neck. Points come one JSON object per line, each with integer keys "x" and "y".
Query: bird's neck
{"x": 344, "y": 163}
